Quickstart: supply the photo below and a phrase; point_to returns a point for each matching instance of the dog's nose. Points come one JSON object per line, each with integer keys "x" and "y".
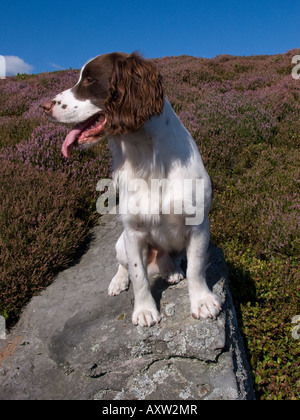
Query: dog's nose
{"x": 48, "y": 106}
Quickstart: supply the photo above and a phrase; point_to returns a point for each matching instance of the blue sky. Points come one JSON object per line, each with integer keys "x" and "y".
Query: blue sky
{"x": 55, "y": 34}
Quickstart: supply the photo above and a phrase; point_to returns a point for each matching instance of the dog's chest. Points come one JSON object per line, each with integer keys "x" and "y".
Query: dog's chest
{"x": 162, "y": 232}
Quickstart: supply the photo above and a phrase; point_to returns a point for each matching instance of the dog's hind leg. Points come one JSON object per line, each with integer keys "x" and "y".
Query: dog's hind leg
{"x": 121, "y": 280}
{"x": 170, "y": 269}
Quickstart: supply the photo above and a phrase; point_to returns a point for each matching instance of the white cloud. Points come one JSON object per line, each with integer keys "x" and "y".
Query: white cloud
{"x": 16, "y": 65}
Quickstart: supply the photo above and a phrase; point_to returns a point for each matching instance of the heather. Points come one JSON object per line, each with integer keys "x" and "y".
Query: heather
{"x": 244, "y": 113}
{"x": 42, "y": 150}
{"x": 41, "y": 224}
{"x": 47, "y": 202}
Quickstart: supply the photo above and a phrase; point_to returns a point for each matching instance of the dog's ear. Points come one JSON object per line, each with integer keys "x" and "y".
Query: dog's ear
{"x": 135, "y": 94}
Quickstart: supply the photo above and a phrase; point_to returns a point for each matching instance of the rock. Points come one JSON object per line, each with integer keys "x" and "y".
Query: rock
{"x": 73, "y": 341}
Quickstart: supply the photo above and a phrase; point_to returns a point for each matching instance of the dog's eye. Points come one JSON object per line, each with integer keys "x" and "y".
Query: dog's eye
{"x": 88, "y": 80}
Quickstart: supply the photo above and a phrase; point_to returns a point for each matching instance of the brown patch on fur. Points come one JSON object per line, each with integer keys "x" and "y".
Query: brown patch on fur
{"x": 154, "y": 254}
{"x": 134, "y": 96}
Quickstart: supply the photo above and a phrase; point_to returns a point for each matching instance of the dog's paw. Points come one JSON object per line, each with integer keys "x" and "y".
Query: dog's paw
{"x": 176, "y": 277}
{"x": 145, "y": 317}
{"x": 118, "y": 284}
{"x": 205, "y": 305}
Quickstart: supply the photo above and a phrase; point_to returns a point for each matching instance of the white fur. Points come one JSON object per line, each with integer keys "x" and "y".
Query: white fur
{"x": 75, "y": 112}
{"x": 162, "y": 149}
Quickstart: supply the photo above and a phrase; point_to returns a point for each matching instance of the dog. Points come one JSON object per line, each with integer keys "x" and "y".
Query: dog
{"x": 120, "y": 96}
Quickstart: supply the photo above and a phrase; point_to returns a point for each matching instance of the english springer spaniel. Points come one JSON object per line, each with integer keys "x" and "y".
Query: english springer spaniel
{"x": 121, "y": 97}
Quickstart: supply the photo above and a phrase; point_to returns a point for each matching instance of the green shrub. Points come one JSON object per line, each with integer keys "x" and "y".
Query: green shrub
{"x": 266, "y": 297}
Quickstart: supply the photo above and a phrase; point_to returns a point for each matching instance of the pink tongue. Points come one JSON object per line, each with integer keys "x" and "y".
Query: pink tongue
{"x": 69, "y": 140}
{"x": 79, "y": 132}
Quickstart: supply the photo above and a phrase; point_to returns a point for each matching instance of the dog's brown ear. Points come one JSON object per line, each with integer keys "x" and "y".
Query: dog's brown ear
{"x": 135, "y": 94}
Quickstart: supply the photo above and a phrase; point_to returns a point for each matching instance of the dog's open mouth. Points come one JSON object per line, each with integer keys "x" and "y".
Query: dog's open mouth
{"x": 84, "y": 133}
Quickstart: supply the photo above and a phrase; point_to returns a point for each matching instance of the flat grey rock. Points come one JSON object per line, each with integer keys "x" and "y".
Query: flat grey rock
{"x": 73, "y": 341}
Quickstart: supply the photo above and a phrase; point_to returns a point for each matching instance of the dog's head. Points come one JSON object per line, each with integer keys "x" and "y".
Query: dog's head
{"x": 116, "y": 94}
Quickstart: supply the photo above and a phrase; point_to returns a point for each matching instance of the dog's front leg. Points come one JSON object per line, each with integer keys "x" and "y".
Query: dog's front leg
{"x": 204, "y": 303}
{"x": 145, "y": 312}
